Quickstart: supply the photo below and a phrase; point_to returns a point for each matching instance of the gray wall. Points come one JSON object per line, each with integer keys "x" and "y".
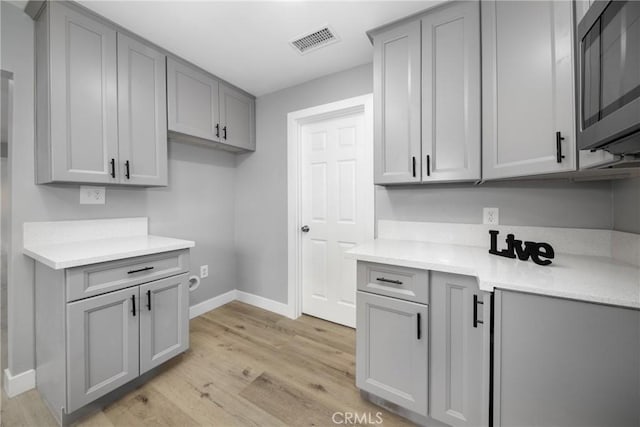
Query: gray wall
{"x": 626, "y": 205}
{"x": 261, "y": 181}
{"x": 197, "y": 205}
{"x": 539, "y": 203}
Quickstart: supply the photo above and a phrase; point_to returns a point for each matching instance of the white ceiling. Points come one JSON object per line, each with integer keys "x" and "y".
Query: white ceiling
{"x": 247, "y": 42}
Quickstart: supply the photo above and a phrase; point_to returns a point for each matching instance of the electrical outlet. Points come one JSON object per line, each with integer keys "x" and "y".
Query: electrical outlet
{"x": 204, "y": 271}
{"x": 90, "y": 195}
{"x": 491, "y": 216}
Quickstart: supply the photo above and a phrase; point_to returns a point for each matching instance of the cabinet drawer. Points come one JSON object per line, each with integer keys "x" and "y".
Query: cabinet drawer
{"x": 90, "y": 280}
{"x": 399, "y": 282}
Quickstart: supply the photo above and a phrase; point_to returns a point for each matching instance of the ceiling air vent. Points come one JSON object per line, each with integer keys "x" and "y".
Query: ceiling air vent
{"x": 314, "y": 40}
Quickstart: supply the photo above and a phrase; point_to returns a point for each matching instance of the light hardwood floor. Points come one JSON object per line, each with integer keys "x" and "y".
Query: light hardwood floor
{"x": 245, "y": 367}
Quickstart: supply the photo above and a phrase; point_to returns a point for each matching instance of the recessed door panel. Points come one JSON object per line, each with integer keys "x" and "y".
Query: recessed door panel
{"x": 397, "y": 104}
{"x": 142, "y": 107}
{"x": 83, "y": 111}
{"x": 164, "y": 320}
{"x": 193, "y": 102}
{"x": 451, "y": 93}
{"x": 392, "y": 350}
{"x": 528, "y": 88}
{"x": 102, "y": 346}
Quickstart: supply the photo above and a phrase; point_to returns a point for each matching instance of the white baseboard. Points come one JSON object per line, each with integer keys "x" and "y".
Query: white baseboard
{"x": 17, "y": 384}
{"x": 233, "y": 295}
{"x": 265, "y": 303}
{"x": 213, "y": 303}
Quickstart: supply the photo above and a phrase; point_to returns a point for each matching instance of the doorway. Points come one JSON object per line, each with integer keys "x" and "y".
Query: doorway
{"x": 331, "y": 205}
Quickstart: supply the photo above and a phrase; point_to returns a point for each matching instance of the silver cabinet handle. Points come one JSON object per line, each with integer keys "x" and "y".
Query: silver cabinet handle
{"x": 305, "y": 229}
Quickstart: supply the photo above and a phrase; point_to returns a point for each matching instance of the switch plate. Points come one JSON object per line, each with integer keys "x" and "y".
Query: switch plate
{"x": 491, "y": 216}
{"x": 90, "y": 195}
{"x": 204, "y": 271}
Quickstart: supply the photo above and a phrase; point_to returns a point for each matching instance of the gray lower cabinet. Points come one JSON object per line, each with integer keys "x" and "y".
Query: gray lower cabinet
{"x": 102, "y": 345}
{"x": 88, "y": 344}
{"x": 561, "y": 362}
{"x": 164, "y": 321}
{"x": 202, "y": 109}
{"x": 423, "y": 343}
{"x": 392, "y": 350}
{"x": 101, "y": 102}
{"x": 459, "y": 355}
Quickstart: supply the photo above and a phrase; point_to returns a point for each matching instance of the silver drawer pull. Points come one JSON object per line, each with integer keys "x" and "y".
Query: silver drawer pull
{"x": 382, "y": 279}
{"x": 140, "y": 270}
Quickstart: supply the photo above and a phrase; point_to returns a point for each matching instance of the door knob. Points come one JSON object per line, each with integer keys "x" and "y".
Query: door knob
{"x": 305, "y": 228}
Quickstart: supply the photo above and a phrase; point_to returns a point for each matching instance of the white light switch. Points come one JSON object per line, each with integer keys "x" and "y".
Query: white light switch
{"x": 90, "y": 195}
{"x": 491, "y": 216}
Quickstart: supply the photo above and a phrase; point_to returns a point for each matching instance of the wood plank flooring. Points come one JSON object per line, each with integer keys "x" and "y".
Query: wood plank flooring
{"x": 245, "y": 367}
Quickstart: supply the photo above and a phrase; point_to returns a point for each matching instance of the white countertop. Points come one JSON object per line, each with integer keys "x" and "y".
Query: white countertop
{"x": 587, "y": 278}
{"x": 74, "y": 254}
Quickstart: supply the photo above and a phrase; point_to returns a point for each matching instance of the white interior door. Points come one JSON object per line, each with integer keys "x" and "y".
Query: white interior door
{"x": 337, "y": 207}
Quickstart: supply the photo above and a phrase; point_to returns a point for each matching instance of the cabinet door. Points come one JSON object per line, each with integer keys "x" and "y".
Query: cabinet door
{"x": 560, "y": 362}
{"x": 83, "y": 103}
{"x": 164, "y": 320}
{"x": 237, "y": 118}
{"x": 392, "y": 350}
{"x": 459, "y": 387}
{"x": 451, "y": 93}
{"x": 102, "y": 345}
{"x": 396, "y": 80}
{"x": 528, "y": 92}
{"x": 192, "y": 98}
{"x": 142, "y": 113}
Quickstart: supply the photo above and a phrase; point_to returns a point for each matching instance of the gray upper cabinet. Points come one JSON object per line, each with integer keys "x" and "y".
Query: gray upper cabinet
{"x": 559, "y": 362}
{"x": 451, "y": 93}
{"x": 528, "y": 88}
{"x": 76, "y": 87}
{"x": 164, "y": 320}
{"x": 193, "y": 102}
{"x": 459, "y": 358}
{"x": 102, "y": 345}
{"x": 427, "y": 97}
{"x": 237, "y": 118}
{"x": 202, "y": 109}
{"x": 142, "y": 117}
{"x": 396, "y": 81}
{"x": 392, "y": 350}
{"x": 101, "y": 102}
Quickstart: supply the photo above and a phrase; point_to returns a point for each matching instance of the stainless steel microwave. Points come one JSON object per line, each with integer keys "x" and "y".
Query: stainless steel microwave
{"x": 608, "y": 65}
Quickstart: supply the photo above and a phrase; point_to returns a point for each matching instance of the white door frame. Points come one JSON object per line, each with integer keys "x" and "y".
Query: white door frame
{"x": 295, "y": 121}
